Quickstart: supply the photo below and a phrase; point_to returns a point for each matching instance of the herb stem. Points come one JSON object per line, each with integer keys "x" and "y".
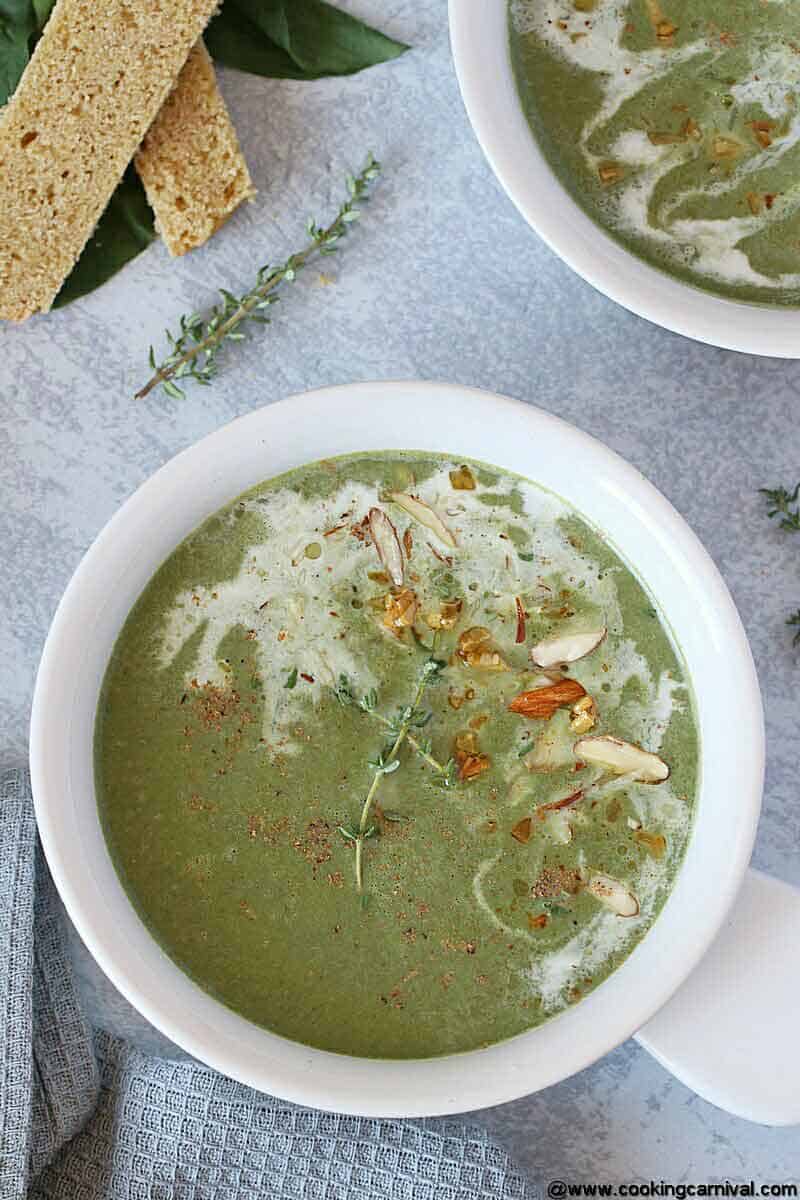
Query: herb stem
{"x": 388, "y": 762}
{"x": 415, "y": 745}
{"x": 194, "y": 350}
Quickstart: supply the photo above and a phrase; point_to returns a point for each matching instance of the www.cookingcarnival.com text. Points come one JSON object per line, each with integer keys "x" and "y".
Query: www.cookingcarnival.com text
{"x": 559, "y": 1189}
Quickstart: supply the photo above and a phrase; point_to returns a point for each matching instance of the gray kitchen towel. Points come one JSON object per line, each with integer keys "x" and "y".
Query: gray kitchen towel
{"x": 84, "y": 1116}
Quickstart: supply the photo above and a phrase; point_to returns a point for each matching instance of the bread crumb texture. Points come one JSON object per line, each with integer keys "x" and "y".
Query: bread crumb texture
{"x": 96, "y": 81}
{"x": 190, "y": 162}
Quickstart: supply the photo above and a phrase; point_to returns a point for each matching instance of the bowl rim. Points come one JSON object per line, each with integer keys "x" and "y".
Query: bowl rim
{"x": 372, "y": 416}
{"x": 480, "y": 44}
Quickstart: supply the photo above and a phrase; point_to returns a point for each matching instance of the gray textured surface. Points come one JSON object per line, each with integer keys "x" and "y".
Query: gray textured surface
{"x": 443, "y": 281}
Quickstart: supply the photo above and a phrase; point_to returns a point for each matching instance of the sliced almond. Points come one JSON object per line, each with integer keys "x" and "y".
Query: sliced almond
{"x": 566, "y": 648}
{"x": 542, "y": 702}
{"x": 553, "y": 747}
{"x": 623, "y": 758}
{"x": 557, "y": 805}
{"x": 384, "y": 535}
{"x": 613, "y": 895}
{"x": 426, "y": 516}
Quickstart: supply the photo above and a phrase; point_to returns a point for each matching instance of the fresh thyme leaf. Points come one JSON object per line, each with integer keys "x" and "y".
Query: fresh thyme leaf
{"x": 784, "y": 504}
{"x": 291, "y": 679}
{"x": 387, "y": 760}
{"x": 343, "y": 691}
{"x": 525, "y": 555}
{"x": 193, "y": 351}
{"x": 779, "y": 504}
{"x": 795, "y": 620}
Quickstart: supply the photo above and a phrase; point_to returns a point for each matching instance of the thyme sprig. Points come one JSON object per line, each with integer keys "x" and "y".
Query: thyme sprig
{"x": 409, "y": 717}
{"x": 779, "y": 504}
{"x": 194, "y": 350}
{"x": 784, "y": 504}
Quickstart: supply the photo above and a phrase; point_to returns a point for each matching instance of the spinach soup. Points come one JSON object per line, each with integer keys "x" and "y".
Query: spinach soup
{"x": 675, "y": 125}
{"x": 395, "y": 756}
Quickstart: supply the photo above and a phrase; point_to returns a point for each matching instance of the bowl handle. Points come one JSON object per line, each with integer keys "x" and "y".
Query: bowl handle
{"x": 730, "y": 1033}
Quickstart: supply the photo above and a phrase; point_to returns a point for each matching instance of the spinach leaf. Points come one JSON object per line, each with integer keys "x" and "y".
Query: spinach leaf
{"x": 296, "y": 39}
{"x": 124, "y": 230}
{"x": 17, "y": 24}
{"x": 235, "y": 41}
{"x": 41, "y": 11}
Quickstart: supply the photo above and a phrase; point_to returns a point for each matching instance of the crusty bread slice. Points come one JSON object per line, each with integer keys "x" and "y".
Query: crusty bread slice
{"x": 93, "y": 87}
{"x": 190, "y": 161}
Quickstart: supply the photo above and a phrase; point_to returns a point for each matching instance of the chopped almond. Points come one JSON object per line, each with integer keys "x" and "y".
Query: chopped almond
{"x": 725, "y": 147}
{"x": 401, "y": 610}
{"x": 610, "y": 172}
{"x": 471, "y": 762}
{"x": 584, "y": 715}
{"x": 446, "y": 617}
{"x": 654, "y": 843}
{"x": 473, "y": 765}
{"x": 463, "y": 480}
{"x": 522, "y": 830}
{"x": 476, "y": 649}
{"x": 542, "y": 702}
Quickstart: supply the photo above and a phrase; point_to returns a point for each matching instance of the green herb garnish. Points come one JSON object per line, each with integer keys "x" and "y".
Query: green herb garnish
{"x": 784, "y": 504}
{"x": 386, "y": 761}
{"x": 194, "y": 350}
{"x": 291, "y": 679}
{"x": 779, "y": 504}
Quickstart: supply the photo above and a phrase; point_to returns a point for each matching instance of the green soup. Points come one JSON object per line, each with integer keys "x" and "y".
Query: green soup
{"x": 675, "y": 124}
{"x": 342, "y": 794}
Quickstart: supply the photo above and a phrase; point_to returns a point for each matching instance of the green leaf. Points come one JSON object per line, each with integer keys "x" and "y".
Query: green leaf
{"x": 17, "y": 26}
{"x": 296, "y": 39}
{"x": 41, "y": 11}
{"x": 124, "y": 230}
{"x": 291, "y": 679}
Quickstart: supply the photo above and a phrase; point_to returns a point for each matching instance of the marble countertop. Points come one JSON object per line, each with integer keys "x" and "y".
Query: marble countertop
{"x": 443, "y": 281}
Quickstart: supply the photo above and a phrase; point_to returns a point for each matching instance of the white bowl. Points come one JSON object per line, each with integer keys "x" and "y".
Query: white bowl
{"x": 479, "y": 36}
{"x": 642, "y": 526}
